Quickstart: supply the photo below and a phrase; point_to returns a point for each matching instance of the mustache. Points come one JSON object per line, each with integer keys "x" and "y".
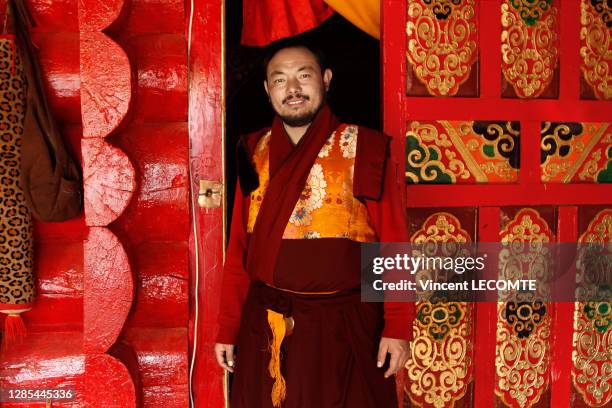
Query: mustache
{"x": 298, "y": 95}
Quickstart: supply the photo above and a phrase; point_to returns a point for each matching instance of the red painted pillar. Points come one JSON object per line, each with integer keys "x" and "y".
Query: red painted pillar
{"x": 206, "y": 161}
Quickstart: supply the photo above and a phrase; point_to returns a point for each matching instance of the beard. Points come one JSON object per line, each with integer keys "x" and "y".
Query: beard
{"x": 302, "y": 118}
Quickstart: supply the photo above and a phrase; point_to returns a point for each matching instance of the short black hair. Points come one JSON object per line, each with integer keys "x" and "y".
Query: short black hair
{"x": 292, "y": 42}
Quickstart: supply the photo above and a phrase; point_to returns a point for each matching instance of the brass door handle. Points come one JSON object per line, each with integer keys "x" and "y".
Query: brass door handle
{"x": 210, "y": 194}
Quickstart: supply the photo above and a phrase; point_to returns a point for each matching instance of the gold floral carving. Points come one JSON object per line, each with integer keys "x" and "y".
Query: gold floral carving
{"x": 442, "y": 50}
{"x": 442, "y": 8}
{"x": 527, "y": 226}
{"x": 558, "y": 141}
{"x": 596, "y": 51}
{"x": 434, "y": 157}
{"x": 529, "y": 10}
{"x": 440, "y": 366}
{"x": 453, "y": 152}
{"x": 600, "y": 228}
{"x": 522, "y": 359}
{"x": 440, "y": 370}
{"x": 590, "y": 169}
{"x": 575, "y": 152}
{"x": 441, "y": 227}
{"x": 523, "y": 255}
{"x": 522, "y": 365}
{"x": 529, "y": 52}
{"x": 592, "y": 343}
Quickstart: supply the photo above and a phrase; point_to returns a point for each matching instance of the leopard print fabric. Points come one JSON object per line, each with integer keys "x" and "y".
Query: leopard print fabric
{"x": 16, "y": 280}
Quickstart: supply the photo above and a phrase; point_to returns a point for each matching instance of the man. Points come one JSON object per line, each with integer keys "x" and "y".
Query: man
{"x": 310, "y": 191}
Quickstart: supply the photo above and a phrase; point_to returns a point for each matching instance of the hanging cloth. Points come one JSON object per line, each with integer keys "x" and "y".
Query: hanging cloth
{"x": 364, "y": 14}
{"x": 265, "y": 21}
{"x": 50, "y": 178}
{"x": 16, "y": 252}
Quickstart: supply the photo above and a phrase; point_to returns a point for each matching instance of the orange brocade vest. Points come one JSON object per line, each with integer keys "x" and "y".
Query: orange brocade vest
{"x": 326, "y": 208}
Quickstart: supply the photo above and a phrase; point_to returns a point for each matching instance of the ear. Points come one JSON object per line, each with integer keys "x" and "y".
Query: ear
{"x": 266, "y": 86}
{"x": 327, "y": 76}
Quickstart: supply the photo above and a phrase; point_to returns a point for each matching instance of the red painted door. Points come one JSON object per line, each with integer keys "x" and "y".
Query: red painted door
{"x": 500, "y": 111}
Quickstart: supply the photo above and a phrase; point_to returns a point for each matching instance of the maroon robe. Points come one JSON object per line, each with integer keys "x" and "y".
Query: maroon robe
{"x": 330, "y": 358}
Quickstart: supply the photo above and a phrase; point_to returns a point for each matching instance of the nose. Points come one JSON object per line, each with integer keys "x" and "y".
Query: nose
{"x": 293, "y": 86}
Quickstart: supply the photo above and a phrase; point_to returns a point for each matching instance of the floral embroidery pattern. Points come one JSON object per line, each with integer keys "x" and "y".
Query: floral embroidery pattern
{"x": 312, "y": 235}
{"x": 324, "y": 152}
{"x": 348, "y": 142}
{"x": 311, "y": 198}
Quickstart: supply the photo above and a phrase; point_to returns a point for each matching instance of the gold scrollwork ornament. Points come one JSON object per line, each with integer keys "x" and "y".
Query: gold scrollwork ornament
{"x": 529, "y": 53}
{"x": 522, "y": 356}
{"x": 596, "y": 51}
{"x": 440, "y": 365}
{"x": 592, "y": 340}
{"x": 441, "y": 51}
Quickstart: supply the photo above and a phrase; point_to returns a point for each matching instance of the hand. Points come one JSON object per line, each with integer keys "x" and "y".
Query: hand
{"x": 225, "y": 356}
{"x": 399, "y": 354}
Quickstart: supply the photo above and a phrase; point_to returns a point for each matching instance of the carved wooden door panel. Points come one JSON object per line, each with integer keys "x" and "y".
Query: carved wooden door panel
{"x": 500, "y": 111}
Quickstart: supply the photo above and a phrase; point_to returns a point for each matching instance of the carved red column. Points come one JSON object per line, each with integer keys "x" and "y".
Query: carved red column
{"x": 109, "y": 179}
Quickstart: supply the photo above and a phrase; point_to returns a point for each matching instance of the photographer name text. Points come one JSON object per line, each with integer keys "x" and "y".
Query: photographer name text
{"x": 474, "y": 285}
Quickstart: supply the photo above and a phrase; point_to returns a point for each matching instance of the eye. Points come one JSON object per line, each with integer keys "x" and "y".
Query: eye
{"x": 305, "y": 75}
{"x": 278, "y": 81}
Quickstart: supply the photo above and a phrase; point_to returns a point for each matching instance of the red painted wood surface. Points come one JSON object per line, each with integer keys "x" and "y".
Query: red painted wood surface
{"x": 58, "y": 53}
{"x": 154, "y": 228}
{"x": 206, "y": 135}
{"x": 394, "y": 84}
{"x": 426, "y": 195}
{"x": 163, "y": 363}
{"x": 108, "y": 290}
{"x": 99, "y": 85}
{"x": 54, "y": 16}
{"x": 161, "y": 77}
{"x": 106, "y": 87}
{"x": 159, "y": 210}
{"x": 109, "y": 181}
{"x": 107, "y": 383}
{"x": 59, "y": 301}
{"x": 155, "y": 16}
{"x": 162, "y": 285}
{"x": 53, "y": 361}
{"x": 96, "y": 15}
{"x": 128, "y": 356}
{"x": 486, "y": 318}
{"x": 129, "y": 85}
{"x": 567, "y": 231}
{"x": 45, "y": 360}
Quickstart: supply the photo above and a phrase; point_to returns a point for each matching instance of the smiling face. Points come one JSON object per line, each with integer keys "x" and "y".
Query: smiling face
{"x": 296, "y": 85}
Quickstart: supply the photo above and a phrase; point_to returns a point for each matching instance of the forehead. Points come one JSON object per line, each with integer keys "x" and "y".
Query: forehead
{"x": 295, "y": 57}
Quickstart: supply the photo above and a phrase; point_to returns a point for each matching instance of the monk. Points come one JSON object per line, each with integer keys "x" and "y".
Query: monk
{"x": 292, "y": 327}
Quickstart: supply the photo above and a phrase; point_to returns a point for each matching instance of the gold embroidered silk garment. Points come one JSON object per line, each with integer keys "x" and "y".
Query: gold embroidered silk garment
{"x": 326, "y": 207}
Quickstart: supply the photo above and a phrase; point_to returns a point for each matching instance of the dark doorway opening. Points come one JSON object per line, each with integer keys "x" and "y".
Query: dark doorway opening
{"x": 354, "y": 94}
